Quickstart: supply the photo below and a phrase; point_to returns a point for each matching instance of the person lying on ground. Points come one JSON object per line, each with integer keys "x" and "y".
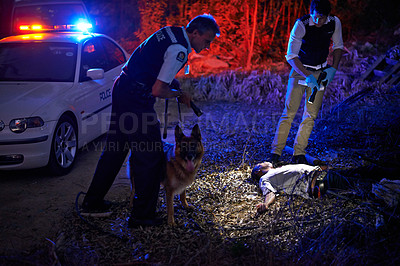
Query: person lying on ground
{"x": 296, "y": 179}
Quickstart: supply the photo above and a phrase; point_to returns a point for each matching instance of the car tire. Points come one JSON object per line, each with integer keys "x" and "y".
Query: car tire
{"x": 64, "y": 146}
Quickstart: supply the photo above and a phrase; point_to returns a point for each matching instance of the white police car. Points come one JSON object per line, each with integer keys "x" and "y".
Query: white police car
{"x": 18, "y": 16}
{"x": 55, "y": 96}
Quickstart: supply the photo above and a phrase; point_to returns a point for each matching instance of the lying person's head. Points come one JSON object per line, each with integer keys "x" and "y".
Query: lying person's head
{"x": 260, "y": 169}
{"x": 318, "y": 186}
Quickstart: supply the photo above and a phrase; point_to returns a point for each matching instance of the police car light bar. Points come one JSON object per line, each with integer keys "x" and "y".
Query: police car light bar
{"x": 80, "y": 26}
{"x": 31, "y": 27}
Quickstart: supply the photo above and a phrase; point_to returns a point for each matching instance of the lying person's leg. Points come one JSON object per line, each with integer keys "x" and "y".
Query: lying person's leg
{"x": 337, "y": 181}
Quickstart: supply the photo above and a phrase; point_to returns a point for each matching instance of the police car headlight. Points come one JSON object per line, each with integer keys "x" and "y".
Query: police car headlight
{"x": 2, "y": 125}
{"x": 19, "y": 125}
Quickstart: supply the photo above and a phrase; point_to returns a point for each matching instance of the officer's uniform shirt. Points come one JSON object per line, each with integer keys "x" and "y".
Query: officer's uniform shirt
{"x": 160, "y": 56}
{"x": 299, "y": 32}
{"x": 290, "y": 179}
{"x": 174, "y": 59}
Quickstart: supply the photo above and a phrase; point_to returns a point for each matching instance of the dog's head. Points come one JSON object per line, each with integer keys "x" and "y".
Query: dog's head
{"x": 189, "y": 150}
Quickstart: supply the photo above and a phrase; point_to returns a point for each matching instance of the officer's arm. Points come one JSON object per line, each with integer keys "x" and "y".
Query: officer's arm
{"x": 298, "y": 67}
{"x": 294, "y": 46}
{"x": 337, "y": 55}
{"x": 338, "y": 46}
{"x": 161, "y": 89}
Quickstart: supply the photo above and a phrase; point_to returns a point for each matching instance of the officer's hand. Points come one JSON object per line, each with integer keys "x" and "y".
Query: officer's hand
{"x": 185, "y": 98}
{"x": 330, "y": 73}
{"x": 312, "y": 82}
{"x": 175, "y": 85}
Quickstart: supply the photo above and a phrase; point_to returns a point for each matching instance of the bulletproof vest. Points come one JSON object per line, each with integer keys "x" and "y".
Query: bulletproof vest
{"x": 145, "y": 63}
{"x": 315, "y": 43}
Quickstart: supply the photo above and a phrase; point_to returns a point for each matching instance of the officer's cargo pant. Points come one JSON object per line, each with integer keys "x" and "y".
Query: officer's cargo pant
{"x": 294, "y": 95}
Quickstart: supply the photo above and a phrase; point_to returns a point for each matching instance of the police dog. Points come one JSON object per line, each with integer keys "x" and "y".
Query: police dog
{"x": 182, "y": 162}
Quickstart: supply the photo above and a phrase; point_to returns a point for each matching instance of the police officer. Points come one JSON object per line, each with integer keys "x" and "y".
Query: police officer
{"x": 134, "y": 126}
{"x": 307, "y": 53}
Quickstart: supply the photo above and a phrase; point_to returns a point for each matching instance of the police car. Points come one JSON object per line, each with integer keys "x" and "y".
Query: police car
{"x": 16, "y": 16}
{"x": 55, "y": 96}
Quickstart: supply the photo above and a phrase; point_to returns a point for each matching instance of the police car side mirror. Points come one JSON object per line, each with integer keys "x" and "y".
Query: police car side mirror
{"x": 95, "y": 73}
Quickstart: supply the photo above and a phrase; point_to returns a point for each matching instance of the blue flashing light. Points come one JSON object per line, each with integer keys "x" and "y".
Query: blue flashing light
{"x": 80, "y": 25}
{"x": 84, "y": 26}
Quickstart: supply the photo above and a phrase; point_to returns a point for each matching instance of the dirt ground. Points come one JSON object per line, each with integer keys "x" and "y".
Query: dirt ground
{"x": 34, "y": 203}
{"x": 38, "y": 209}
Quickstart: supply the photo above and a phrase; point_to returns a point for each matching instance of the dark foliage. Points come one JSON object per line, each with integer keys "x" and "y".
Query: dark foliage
{"x": 132, "y": 21}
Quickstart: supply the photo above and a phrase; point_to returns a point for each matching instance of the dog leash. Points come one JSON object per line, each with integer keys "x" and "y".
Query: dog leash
{"x": 179, "y": 112}
{"x": 166, "y": 117}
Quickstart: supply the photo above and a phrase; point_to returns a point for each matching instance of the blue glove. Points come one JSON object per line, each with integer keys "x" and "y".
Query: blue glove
{"x": 330, "y": 73}
{"x": 312, "y": 82}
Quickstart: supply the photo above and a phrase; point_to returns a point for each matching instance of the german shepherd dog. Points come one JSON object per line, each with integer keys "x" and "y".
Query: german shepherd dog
{"x": 182, "y": 166}
{"x": 182, "y": 162}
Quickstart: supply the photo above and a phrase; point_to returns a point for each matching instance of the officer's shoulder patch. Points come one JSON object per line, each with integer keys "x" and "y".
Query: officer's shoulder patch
{"x": 181, "y": 56}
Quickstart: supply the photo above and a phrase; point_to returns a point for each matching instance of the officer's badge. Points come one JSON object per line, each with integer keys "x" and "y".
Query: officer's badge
{"x": 180, "y": 57}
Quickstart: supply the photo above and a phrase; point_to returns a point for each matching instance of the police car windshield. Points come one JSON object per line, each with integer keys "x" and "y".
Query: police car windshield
{"x": 38, "y": 62}
{"x": 49, "y": 15}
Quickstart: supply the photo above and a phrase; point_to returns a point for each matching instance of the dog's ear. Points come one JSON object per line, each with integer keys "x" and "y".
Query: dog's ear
{"x": 196, "y": 132}
{"x": 178, "y": 134}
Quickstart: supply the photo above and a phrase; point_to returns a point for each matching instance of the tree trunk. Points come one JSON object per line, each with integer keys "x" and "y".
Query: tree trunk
{"x": 276, "y": 22}
{"x": 264, "y": 20}
{"x": 288, "y": 22}
{"x": 253, "y": 34}
{"x": 247, "y": 14}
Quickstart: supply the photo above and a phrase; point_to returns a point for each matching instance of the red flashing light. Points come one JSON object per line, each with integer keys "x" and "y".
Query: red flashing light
{"x": 24, "y": 27}
{"x": 37, "y": 27}
{"x": 31, "y": 27}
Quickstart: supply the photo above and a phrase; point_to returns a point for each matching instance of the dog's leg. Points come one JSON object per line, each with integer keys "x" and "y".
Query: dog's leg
{"x": 170, "y": 206}
{"x": 182, "y": 197}
{"x": 184, "y": 202}
{"x": 131, "y": 198}
{"x": 132, "y": 193}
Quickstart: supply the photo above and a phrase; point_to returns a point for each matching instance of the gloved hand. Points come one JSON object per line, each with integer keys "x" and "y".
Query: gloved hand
{"x": 330, "y": 73}
{"x": 312, "y": 82}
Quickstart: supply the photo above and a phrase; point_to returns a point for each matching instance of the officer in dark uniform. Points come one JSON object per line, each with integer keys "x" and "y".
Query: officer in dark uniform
{"x": 134, "y": 126}
{"x": 307, "y": 53}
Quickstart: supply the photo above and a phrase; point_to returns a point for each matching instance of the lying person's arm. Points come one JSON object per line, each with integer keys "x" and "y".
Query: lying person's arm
{"x": 269, "y": 200}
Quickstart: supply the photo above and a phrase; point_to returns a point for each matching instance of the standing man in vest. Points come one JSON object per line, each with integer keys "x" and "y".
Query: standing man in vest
{"x": 307, "y": 53}
{"x": 134, "y": 127}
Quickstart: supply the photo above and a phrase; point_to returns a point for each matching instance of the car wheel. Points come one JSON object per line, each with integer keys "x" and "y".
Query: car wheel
{"x": 64, "y": 146}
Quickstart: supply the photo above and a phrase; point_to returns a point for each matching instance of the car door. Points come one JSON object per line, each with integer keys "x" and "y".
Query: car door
{"x": 99, "y": 52}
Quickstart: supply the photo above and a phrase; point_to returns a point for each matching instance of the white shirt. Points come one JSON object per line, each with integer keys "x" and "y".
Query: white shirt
{"x": 171, "y": 64}
{"x": 298, "y": 32}
{"x": 290, "y": 179}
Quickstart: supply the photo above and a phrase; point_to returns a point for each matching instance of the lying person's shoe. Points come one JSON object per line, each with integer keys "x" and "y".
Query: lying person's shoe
{"x": 299, "y": 159}
{"x": 136, "y": 223}
{"x": 98, "y": 209}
